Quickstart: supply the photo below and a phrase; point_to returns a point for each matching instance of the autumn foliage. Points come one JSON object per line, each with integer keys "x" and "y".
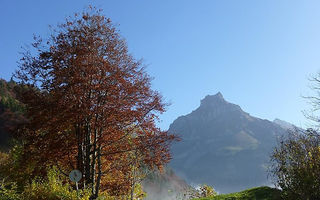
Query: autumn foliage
{"x": 90, "y": 105}
{"x": 296, "y": 165}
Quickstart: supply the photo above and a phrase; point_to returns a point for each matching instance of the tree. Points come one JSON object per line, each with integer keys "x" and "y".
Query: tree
{"x": 296, "y": 165}
{"x": 296, "y": 160}
{"x": 89, "y": 104}
{"x": 207, "y": 191}
{"x": 314, "y": 101}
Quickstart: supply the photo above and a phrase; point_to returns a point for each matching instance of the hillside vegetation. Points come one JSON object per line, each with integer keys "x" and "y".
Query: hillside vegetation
{"x": 7, "y": 96}
{"x": 10, "y": 109}
{"x": 258, "y": 193}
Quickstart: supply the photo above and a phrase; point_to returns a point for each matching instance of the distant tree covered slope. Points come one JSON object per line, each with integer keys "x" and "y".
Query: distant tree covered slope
{"x": 10, "y": 109}
{"x": 8, "y": 96}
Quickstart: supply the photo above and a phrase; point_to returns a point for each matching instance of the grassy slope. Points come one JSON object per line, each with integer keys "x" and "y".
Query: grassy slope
{"x": 258, "y": 193}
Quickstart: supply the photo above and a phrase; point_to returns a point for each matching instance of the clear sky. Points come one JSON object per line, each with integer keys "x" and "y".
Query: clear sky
{"x": 258, "y": 54}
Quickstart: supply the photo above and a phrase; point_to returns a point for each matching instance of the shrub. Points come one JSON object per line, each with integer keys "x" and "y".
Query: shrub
{"x": 207, "y": 191}
{"x": 13, "y": 167}
{"x": 53, "y": 188}
{"x": 296, "y": 165}
{"x": 8, "y": 191}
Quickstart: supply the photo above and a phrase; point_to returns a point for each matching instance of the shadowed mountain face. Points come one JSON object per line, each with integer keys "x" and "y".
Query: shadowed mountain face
{"x": 223, "y": 146}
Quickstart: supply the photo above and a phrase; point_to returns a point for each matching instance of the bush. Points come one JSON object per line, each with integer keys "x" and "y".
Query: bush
{"x": 207, "y": 191}
{"x": 17, "y": 182}
{"x": 296, "y": 165}
{"x": 53, "y": 188}
{"x": 8, "y": 191}
{"x": 15, "y": 168}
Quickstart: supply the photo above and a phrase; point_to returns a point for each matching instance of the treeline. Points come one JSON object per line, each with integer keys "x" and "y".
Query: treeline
{"x": 11, "y": 110}
{"x": 8, "y": 98}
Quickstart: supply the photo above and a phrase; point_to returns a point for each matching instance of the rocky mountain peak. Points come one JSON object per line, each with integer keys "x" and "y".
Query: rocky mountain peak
{"x": 213, "y": 99}
{"x": 223, "y": 146}
{"x": 217, "y": 104}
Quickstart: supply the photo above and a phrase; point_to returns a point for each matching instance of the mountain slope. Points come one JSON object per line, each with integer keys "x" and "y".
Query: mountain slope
{"x": 223, "y": 146}
{"x": 286, "y": 125}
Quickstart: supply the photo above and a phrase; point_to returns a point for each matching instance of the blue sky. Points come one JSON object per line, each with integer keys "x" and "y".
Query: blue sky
{"x": 258, "y": 54}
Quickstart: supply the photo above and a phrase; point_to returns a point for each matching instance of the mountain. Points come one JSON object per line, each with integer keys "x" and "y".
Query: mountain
{"x": 223, "y": 146}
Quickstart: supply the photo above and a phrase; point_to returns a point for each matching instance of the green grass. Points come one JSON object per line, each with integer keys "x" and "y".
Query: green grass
{"x": 258, "y": 193}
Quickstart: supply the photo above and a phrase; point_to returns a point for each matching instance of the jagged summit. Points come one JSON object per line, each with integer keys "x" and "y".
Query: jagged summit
{"x": 216, "y": 103}
{"x": 211, "y": 100}
{"x": 218, "y": 95}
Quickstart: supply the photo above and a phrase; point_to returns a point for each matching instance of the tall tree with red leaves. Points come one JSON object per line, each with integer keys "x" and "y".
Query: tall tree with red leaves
{"x": 90, "y": 104}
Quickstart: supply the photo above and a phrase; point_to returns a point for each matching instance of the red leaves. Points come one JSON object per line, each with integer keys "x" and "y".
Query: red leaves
{"x": 93, "y": 106}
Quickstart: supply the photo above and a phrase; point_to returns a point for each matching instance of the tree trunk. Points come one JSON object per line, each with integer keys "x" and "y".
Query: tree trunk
{"x": 87, "y": 155}
{"x": 80, "y": 160}
{"x": 99, "y": 172}
{"x": 93, "y": 162}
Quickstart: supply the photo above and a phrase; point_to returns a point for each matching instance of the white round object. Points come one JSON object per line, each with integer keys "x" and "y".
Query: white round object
{"x": 75, "y": 175}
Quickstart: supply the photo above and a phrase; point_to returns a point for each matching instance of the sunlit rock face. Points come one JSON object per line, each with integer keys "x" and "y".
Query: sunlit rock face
{"x": 223, "y": 146}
